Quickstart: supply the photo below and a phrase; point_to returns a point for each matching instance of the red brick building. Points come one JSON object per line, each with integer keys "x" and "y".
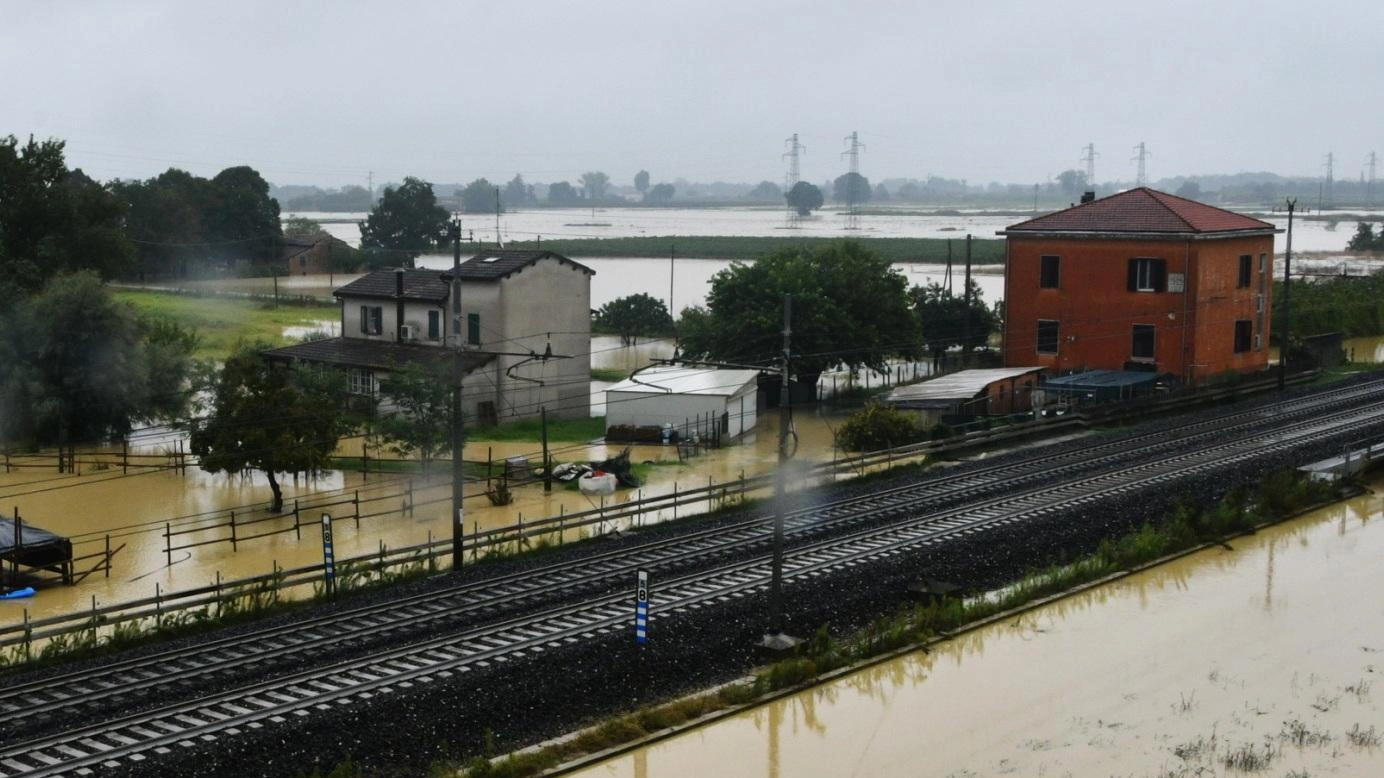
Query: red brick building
{"x": 1140, "y": 280}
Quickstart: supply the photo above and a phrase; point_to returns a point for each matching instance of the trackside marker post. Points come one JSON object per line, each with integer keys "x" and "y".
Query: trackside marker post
{"x": 328, "y": 555}
{"x": 641, "y": 609}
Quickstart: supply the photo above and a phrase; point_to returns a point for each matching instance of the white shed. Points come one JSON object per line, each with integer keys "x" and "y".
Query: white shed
{"x": 697, "y": 401}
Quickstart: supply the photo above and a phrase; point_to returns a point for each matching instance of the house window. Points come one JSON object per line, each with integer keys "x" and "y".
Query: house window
{"x": 1147, "y": 275}
{"x": 1143, "y": 342}
{"x": 1049, "y": 271}
{"x": 434, "y": 325}
{"x": 371, "y": 319}
{"x": 1243, "y": 330}
{"x": 1246, "y": 270}
{"x": 360, "y": 382}
{"x": 473, "y": 329}
{"x": 1047, "y": 336}
{"x": 1263, "y": 262}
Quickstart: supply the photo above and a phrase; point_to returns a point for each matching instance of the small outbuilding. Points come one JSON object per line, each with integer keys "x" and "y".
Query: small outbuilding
{"x": 1097, "y": 386}
{"x": 709, "y": 403}
{"x": 969, "y": 393}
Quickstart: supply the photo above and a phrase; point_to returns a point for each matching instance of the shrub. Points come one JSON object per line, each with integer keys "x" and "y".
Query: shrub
{"x": 878, "y": 427}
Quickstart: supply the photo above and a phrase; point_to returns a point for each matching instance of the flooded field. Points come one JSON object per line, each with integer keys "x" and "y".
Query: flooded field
{"x": 1265, "y": 660}
{"x": 135, "y": 509}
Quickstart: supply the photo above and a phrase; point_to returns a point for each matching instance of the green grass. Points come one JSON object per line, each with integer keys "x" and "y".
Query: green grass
{"x": 983, "y": 250}
{"x": 529, "y": 430}
{"x": 220, "y": 323}
{"x": 609, "y": 374}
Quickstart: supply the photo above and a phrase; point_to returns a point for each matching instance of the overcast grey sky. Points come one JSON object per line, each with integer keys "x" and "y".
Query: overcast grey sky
{"x": 987, "y": 90}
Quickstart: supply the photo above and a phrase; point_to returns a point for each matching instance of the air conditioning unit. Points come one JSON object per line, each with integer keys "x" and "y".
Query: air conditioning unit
{"x": 408, "y": 332}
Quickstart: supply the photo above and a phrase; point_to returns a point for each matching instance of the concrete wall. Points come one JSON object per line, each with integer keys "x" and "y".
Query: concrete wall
{"x": 1194, "y": 328}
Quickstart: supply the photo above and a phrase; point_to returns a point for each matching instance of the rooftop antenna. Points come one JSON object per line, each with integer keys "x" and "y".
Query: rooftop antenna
{"x": 852, "y": 200}
{"x": 795, "y": 150}
{"x": 1141, "y": 154}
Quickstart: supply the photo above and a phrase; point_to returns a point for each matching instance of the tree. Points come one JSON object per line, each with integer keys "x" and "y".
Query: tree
{"x": 881, "y": 193}
{"x": 298, "y": 225}
{"x": 946, "y": 320}
{"x": 1190, "y": 189}
{"x": 421, "y": 422}
{"x": 270, "y": 418}
{"x": 243, "y": 220}
{"x": 1073, "y": 182}
{"x": 406, "y": 221}
{"x": 1365, "y": 239}
{"x": 562, "y": 193}
{"x": 851, "y": 188}
{"x": 641, "y": 182}
{"x": 480, "y": 196}
{"x": 765, "y": 191}
{"x": 850, "y": 307}
{"x": 75, "y": 365}
{"x": 660, "y": 194}
{"x": 632, "y": 316}
{"x": 595, "y": 183}
{"x": 54, "y": 220}
{"x": 804, "y": 198}
{"x": 517, "y": 193}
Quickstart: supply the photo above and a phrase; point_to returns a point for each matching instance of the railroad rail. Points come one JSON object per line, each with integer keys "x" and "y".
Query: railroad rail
{"x": 904, "y": 519}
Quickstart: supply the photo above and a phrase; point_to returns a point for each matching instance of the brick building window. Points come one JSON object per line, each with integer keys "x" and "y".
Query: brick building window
{"x": 1148, "y": 275}
{"x": 1243, "y": 332}
{"x": 1049, "y": 272}
{"x": 1143, "y": 342}
{"x": 1246, "y": 270}
{"x": 1047, "y": 336}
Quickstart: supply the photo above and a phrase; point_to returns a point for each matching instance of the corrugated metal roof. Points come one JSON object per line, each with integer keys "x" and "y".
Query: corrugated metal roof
{"x": 948, "y": 389}
{"x": 687, "y": 380}
{"x": 1142, "y": 210}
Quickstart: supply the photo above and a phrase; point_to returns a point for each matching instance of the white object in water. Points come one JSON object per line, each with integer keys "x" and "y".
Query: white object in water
{"x": 597, "y": 483}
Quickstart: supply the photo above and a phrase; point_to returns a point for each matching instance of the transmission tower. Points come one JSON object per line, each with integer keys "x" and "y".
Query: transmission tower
{"x": 1141, "y": 156}
{"x": 1090, "y": 159}
{"x": 852, "y": 201}
{"x": 795, "y": 150}
{"x": 1330, "y": 180}
{"x": 1369, "y": 186}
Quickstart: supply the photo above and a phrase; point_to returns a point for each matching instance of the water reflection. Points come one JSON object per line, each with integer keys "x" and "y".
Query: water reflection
{"x": 1173, "y": 668}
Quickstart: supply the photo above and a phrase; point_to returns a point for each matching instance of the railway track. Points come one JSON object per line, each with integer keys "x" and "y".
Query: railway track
{"x": 916, "y": 523}
{"x": 85, "y": 693}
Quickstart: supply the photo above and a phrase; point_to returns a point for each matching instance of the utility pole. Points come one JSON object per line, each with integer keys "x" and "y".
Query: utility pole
{"x": 1330, "y": 180}
{"x": 795, "y": 150}
{"x": 1090, "y": 159}
{"x": 1369, "y": 186}
{"x": 1283, "y": 346}
{"x": 777, "y": 640}
{"x": 1141, "y": 154}
{"x": 966, "y": 310}
{"x": 499, "y": 242}
{"x": 852, "y": 204}
{"x": 458, "y": 374}
{"x": 672, "y": 258}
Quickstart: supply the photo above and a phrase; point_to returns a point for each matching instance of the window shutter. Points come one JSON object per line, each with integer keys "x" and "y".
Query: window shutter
{"x": 365, "y": 320}
{"x": 1160, "y": 275}
{"x": 1133, "y": 275}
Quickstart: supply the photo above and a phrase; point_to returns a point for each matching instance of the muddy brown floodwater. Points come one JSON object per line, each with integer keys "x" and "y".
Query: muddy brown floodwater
{"x": 134, "y": 508}
{"x": 1273, "y": 651}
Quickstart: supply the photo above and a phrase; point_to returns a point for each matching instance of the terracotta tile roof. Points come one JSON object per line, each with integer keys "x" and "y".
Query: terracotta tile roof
{"x": 425, "y": 285}
{"x": 373, "y": 354}
{"x": 1142, "y": 210}
{"x": 497, "y": 263}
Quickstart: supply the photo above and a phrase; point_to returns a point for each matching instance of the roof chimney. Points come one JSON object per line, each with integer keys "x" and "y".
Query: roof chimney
{"x": 399, "y": 304}
{"x": 1088, "y": 195}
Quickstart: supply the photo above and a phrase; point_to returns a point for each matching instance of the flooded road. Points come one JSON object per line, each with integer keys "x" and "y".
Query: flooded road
{"x": 1271, "y": 652}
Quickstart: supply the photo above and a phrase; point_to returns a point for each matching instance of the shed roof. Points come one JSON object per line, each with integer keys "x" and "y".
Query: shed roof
{"x": 1100, "y": 378}
{"x": 1142, "y": 211}
{"x": 947, "y": 390}
{"x": 373, "y": 354}
{"x": 687, "y": 380}
{"x": 424, "y": 285}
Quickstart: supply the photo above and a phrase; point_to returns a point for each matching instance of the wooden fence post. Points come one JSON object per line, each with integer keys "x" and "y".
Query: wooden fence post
{"x": 355, "y": 505}
{"x": 297, "y": 525}
{"x": 168, "y": 543}
{"x": 125, "y": 457}
{"x": 234, "y": 547}
{"x": 108, "y": 555}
